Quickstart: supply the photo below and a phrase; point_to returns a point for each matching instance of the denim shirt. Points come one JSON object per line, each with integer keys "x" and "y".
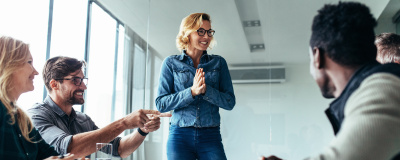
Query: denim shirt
{"x": 174, "y": 93}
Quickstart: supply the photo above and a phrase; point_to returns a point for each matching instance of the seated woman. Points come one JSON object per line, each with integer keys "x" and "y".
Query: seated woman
{"x": 18, "y": 138}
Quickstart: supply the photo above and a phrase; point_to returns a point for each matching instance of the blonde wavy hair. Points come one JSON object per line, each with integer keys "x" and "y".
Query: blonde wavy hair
{"x": 191, "y": 24}
{"x": 13, "y": 55}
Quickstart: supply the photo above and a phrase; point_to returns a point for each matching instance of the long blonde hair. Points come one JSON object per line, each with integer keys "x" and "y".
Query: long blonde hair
{"x": 13, "y": 54}
{"x": 190, "y": 24}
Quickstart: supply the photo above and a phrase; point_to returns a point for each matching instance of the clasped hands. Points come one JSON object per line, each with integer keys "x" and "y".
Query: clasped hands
{"x": 199, "y": 83}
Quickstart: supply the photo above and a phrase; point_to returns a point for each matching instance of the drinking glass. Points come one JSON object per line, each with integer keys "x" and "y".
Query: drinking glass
{"x": 103, "y": 151}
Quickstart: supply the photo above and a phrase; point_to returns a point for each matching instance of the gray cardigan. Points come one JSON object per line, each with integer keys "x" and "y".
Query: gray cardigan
{"x": 371, "y": 127}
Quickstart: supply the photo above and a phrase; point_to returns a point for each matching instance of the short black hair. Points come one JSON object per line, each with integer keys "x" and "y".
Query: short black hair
{"x": 345, "y": 32}
{"x": 60, "y": 67}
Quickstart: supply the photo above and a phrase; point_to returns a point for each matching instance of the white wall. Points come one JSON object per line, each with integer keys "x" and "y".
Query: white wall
{"x": 385, "y": 23}
{"x": 388, "y": 26}
{"x": 286, "y": 119}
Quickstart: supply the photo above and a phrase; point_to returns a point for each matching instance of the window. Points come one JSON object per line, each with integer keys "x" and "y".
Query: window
{"x": 69, "y": 29}
{"x": 29, "y": 24}
{"x": 101, "y": 67}
{"x": 158, "y": 135}
{"x": 119, "y": 109}
{"x": 138, "y": 78}
{"x": 116, "y": 64}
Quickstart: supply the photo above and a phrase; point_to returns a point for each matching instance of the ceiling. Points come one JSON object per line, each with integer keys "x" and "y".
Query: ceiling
{"x": 285, "y": 25}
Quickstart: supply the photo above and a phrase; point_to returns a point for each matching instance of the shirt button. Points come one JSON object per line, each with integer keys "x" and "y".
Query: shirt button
{"x": 198, "y": 108}
{"x": 19, "y": 135}
{"x": 27, "y": 154}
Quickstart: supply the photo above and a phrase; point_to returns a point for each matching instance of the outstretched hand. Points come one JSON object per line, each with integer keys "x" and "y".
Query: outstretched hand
{"x": 154, "y": 123}
{"x": 139, "y": 118}
{"x": 165, "y": 115}
{"x": 199, "y": 83}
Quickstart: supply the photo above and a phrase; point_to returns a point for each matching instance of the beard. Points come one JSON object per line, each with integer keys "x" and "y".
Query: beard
{"x": 327, "y": 89}
{"x": 327, "y": 93}
{"x": 323, "y": 81}
{"x": 73, "y": 100}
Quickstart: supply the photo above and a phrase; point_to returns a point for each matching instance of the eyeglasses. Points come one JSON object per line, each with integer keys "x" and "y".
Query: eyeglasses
{"x": 202, "y": 32}
{"x": 77, "y": 81}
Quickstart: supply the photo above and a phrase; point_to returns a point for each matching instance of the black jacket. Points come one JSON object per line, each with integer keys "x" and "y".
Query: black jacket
{"x": 335, "y": 112}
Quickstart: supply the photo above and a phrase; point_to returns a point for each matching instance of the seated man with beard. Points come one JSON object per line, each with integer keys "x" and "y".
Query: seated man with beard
{"x": 74, "y": 132}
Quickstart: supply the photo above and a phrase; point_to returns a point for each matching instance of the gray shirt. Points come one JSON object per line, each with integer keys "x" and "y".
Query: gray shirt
{"x": 57, "y": 128}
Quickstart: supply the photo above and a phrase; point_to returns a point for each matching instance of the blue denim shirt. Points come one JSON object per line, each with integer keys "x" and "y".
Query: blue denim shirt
{"x": 176, "y": 79}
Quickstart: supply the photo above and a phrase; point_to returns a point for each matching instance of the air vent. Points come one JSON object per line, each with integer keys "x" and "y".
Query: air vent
{"x": 255, "y": 23}
{"x": 258, "y": 74}
{"x": 251, "y": 22}
{"x": 255, "y": 47}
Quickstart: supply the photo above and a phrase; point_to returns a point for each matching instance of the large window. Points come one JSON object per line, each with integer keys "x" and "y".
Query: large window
{"x": 119, "y": 103}
{"x": 119, "y": 81}
{"x": 101, "y": 67}
{"x": 69, "y": 29}
{"x": 158, "y": 138}
{"x": 138, "y": 78}
{"x": 29, "y": 24}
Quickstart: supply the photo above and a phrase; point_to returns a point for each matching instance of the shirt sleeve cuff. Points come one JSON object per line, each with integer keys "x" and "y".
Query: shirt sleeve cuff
{"x": 115, "y": 144}
{"x": 187, "y": 96}
{"x": 65, "y": 143}
{"x": 209, "y": 93}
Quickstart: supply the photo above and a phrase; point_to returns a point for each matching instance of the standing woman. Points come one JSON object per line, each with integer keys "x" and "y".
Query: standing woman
{"x": 195, "y": 85}
{"x": 18, "y": 138}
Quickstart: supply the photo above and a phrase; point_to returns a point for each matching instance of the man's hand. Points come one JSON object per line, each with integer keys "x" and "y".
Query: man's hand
{"x": 154, "y": 123}
{"x": 138, "y": 118}
{"x": 199, "y": 83}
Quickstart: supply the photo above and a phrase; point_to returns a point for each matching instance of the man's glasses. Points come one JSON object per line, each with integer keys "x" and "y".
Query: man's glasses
{"x": 77, "y": 81}
{"x": 202, "y": 32}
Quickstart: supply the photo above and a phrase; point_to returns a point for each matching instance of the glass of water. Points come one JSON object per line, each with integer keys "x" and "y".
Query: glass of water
{"x": 103, "y": 151}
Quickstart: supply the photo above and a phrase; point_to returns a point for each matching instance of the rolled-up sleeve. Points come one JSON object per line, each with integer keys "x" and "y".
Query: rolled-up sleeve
{"x": 115, "y": 145}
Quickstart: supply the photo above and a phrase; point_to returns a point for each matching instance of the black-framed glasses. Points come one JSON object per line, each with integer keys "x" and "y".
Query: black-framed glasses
{"x": 77, "y": 81}
{"x": 202, "y": 32}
